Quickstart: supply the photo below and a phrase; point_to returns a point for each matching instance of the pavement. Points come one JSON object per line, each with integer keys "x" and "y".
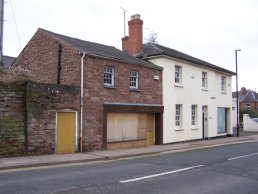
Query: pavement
{"x": 95, "y": 156}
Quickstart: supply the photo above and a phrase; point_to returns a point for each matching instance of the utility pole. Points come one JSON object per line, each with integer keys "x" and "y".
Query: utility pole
{"x": 255, "y": 101}
{"x": 1, "y": 30}
{"x": 237, "y": 93}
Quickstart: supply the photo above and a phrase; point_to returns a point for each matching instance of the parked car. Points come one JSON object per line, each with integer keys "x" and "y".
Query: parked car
{"x": 255, "y": 119}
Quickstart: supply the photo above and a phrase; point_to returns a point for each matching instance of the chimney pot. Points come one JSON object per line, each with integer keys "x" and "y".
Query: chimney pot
{"x": 135, "y": 17}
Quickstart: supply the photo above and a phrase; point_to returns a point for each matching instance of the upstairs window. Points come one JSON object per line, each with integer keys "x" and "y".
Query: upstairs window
{"x": 178, "y": 117}
{"x": 109, "y": 76}
{"x": 248, "y": 106}
{"x": 134, "y": 80}
{"x": 204, "y": 80}
{"x": 178, "y": 75}
{"x": 223, "y": 83}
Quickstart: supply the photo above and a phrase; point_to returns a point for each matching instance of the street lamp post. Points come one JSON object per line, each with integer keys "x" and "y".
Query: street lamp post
{"x": 237, "y": 93}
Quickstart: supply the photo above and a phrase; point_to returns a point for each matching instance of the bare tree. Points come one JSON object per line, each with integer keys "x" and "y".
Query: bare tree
{"x": 152, "y": 38}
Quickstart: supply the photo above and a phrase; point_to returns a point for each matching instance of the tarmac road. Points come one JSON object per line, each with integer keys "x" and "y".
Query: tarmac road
{"x": 224, "y": 169}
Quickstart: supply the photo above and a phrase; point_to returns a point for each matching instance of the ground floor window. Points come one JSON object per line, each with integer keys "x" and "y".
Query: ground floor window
{"x": 129, "y": 126}
{"x": 194, "y": 115}
{"x": 178, "y": 117}
{"x": 221, "y": 120}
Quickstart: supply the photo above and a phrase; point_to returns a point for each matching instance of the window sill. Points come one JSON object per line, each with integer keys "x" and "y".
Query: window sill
{"x": 205, "y": 89}
{"x": 109, "y": 87}
{"x": 179, "y": 85}
{"x": 134, "y": 90}
{"x": 179, "y": 129}
{"x": 221, "y": 133}
{"x": 222, "y": 92}
{"x": 194, "y": 128}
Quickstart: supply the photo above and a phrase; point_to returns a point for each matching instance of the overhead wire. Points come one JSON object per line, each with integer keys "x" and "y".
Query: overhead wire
{"x": 16, "y": 27}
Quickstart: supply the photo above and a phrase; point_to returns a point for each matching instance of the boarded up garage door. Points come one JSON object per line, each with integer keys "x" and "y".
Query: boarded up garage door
{"x": 65, "y": 132}
{"x": 129, "y": 130}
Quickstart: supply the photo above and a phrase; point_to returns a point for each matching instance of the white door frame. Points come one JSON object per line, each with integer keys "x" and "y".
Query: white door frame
{"x": 205, "y": 121}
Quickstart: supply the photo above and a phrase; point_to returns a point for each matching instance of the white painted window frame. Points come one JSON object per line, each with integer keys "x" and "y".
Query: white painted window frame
{"x": 204, "y": 80}
{"x": 134, "y": 79}
{"x": 194, "y": 113}
{"x": 109, "y": 73}
{"x": 223, "y": 84}
{"x": 178, "y": 75}
{"x": 178, "y": 115}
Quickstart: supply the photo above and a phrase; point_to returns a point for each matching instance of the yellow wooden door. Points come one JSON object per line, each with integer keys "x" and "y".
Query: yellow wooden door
{"x": 65, "y": 132}
{"x": 149, "y": 129}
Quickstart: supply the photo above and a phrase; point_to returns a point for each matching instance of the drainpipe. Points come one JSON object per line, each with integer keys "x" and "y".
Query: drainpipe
{"x": 59, "y": 63}
{"x": 81, "y": 99}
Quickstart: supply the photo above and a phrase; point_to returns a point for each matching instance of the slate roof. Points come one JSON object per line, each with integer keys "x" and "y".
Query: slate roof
{"x": 100, "y": 50}
{"x": 8, "y": 61}
{"x": 152, "y": 50}
{"x": 249, "y": 96}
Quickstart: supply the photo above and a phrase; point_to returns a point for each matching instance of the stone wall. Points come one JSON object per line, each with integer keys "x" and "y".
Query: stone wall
{"x": 12, "y": 112}
{"x": 28, "y": 116}
{"x": 43, "y": 102}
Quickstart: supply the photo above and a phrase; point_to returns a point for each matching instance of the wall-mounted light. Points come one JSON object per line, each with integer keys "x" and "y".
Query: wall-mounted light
{"x": 156, "y": 77}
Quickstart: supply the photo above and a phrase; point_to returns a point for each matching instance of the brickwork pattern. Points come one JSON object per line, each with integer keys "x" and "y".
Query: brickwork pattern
{"x": 252, "y": 105}
{"x": 40, "y": 57}
{"x": 95, "y": 94}
{"x": 43, "y": 102}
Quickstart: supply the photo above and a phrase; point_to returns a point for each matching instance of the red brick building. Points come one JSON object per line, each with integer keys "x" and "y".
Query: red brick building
{"x": 121, "y": 96}
{"x": 248, "y": 99}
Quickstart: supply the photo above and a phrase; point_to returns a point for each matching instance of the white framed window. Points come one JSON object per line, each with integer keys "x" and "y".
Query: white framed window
{"x": 134, "y": 80}
{"x": 109, "y": 76}
{"x": 178, "y": 117}
{"x": 204, "y": 80}
{"x": 247, "y": 106}
{"x": 194, "y": 115}
{"x": 223, "y": 83}
{"x": 178, "y": 75}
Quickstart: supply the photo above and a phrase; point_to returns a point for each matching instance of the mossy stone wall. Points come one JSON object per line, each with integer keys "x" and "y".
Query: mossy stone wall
{"x": 12, "y": 115}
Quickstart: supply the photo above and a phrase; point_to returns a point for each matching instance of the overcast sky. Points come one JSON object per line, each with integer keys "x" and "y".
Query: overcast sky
{"x": 206, "y": 29}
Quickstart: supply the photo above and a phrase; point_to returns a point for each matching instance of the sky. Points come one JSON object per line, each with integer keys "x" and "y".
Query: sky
{"x": 210, "y": 30}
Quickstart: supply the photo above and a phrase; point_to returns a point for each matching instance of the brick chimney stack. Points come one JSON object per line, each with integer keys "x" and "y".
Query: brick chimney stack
{"x": 243, "y": 91}
{"x": 133, "y": 43}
